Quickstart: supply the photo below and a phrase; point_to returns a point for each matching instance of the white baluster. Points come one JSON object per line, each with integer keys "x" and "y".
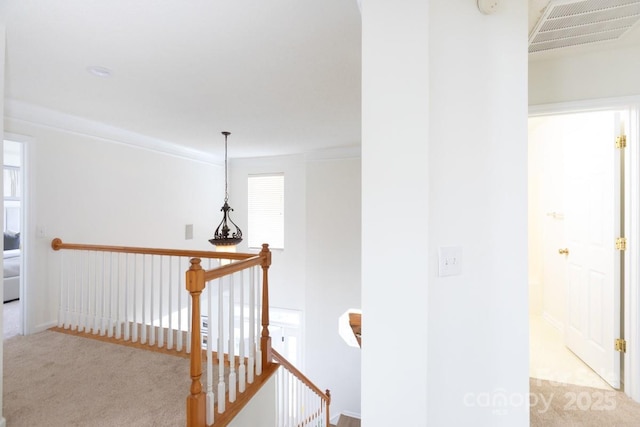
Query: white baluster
{"x": 80, "y": 292}
{"x": 209, "y": 335}
{"x": 152, "y": 328}
{"x": 103, "y": 300}
{"x": 279, "y": 397}
{"x": 96, "y": 287}
{"x": 188, "y": 327}
{"x": 232, "y": 343}
{"x": 242, "y": 369}
{"x": 74, "y": 295}
{"x": 61, "y": 311}
{"x": 143, "y": 323}
{"x": 170, "y": 304}
{"x": 252, "y": 330}
{"x": 296, "y": 402}
{"x": 259, "y": 324}
{"x": 117, "y": 320}
{"x": 110, "y": 298}
{"x": 87, "y": 303}
{"x": 134, "y": 324}
{"x": 160, "y": 311}
{"x": 221, "y": 385}
{"x": 180, "y": 292}
{"x": 127, "y": 324}
{"x": 287, "y": 400}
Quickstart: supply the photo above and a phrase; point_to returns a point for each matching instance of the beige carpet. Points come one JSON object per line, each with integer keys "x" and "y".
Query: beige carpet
{"x": 11, "y": 319}
{"x": 53, "y": 379}
{"x": 562, "y": 405}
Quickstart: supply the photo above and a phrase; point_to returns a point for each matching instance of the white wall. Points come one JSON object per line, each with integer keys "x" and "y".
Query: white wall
{"x": 315, "y": 273}
{"x": 546, "y": 135}
{"x": 86, "y": 190}
{"x": 604, "y": 73}
{"x": 444, "y": 163}
{"x": 2, "y": 64}
{"x": 395, "y": 217}
{"x": 287, "y": 271}
{"x": 333, "y": 277}
{"x": 534, "y": 227}
{"x": 261, "y": 409}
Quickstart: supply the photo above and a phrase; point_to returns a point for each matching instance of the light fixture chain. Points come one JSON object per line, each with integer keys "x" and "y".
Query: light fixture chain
{"x": 226, "y": 191}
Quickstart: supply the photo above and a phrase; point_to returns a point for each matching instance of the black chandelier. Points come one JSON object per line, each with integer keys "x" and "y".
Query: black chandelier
{"x": 223, "y": 235}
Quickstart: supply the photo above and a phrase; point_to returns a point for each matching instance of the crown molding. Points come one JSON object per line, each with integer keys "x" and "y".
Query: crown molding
{"x": 44, "y": 117}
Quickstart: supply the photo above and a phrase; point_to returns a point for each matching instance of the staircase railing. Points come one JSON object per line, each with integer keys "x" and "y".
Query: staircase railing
{"x": 237, "y": 329}
{"x": 299, "y": 402}
{"x": 217, "y": 312}
{"x": 130, "y": 293}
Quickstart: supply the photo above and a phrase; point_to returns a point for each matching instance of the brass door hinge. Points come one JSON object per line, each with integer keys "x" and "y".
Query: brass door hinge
{"x": 621, "y": 345}
{"x": 621, "y": 243}
{"x": 621, "y": 141}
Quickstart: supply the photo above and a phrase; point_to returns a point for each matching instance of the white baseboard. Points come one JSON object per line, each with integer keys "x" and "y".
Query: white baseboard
{"x": 3, "y": 422}
{"x": 41, "y": 327}
{"x": 553, "y": 321}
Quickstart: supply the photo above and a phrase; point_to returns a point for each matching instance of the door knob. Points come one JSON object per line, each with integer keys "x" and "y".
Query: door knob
{"x": 564, "y": 251}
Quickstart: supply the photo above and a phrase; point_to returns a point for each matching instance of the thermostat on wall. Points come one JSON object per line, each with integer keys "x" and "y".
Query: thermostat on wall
{"x": 488, "y": 6}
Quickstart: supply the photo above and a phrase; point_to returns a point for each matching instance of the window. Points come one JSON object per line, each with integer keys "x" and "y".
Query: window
{"x": 266, "y": 210}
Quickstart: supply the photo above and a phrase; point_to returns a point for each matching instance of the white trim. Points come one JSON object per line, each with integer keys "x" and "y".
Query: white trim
{"x": 25, "y": 223}
{"x": 632, "y": 223}
{"x": 44, "y": 117}
{"x": 44, "y": 326}
{"x": 631, "y": 256}
{"x": 3, "y": 422}
{"x": 553, "y": 321}
{"x": 584, "y": 106}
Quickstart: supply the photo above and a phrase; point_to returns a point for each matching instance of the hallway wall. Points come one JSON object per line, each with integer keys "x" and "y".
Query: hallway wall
{"x": 85, "y": 189}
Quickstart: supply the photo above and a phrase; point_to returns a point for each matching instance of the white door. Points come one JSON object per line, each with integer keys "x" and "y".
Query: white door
{"x": 592, "y": 223}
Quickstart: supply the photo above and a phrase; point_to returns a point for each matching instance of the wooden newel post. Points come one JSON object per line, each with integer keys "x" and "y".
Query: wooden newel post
{"x": 196, "y": 401}
{"x": 265, "y": 339}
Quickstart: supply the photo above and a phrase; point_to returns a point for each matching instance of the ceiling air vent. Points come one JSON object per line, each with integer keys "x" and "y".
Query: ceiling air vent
{"x": 572, "y": 23}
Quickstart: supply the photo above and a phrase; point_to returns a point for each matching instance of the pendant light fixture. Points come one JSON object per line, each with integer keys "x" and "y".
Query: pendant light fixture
{"x": 223, "y": 235}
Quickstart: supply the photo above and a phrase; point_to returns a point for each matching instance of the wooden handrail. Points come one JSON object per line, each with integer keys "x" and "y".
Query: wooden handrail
{"x": 58, "y": 244}
{"x": 228, "y": 269}
{"x": 326, "y": 395}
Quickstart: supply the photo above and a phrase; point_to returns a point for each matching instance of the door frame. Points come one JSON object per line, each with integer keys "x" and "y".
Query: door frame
{"x": 27, "y": 211}
{"x": 630, "y": 369}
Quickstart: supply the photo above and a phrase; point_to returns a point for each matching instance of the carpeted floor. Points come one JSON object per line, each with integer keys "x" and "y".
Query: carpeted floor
{"x": 563, "y": 405}
{"x": 11, "y": 319}
{"x": 53, "y": 379}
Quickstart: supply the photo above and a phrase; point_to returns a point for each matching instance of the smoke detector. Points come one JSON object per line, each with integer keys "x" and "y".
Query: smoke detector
{"x": 567, "y": 23}
{"x": 488, "y": 6}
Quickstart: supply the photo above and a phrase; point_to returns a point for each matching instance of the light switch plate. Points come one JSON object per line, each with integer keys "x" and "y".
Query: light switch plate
{"x": 188, "y": 232}
{"x": 449, "y": 261}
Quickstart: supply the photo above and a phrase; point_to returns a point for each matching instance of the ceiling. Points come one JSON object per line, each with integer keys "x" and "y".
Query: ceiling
{"x": 282, "y": 76}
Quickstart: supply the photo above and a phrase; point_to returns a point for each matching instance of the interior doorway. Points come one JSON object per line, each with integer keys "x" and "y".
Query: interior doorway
{"x": 575, "y": 213}
{"x": 13, "y": 227}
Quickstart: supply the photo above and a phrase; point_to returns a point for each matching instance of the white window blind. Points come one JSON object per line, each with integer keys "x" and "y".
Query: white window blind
{"x": 266, "y": 210}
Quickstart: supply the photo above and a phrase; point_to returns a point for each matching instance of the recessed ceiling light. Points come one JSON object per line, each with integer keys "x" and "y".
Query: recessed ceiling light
{"x": 98, "y": 71}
